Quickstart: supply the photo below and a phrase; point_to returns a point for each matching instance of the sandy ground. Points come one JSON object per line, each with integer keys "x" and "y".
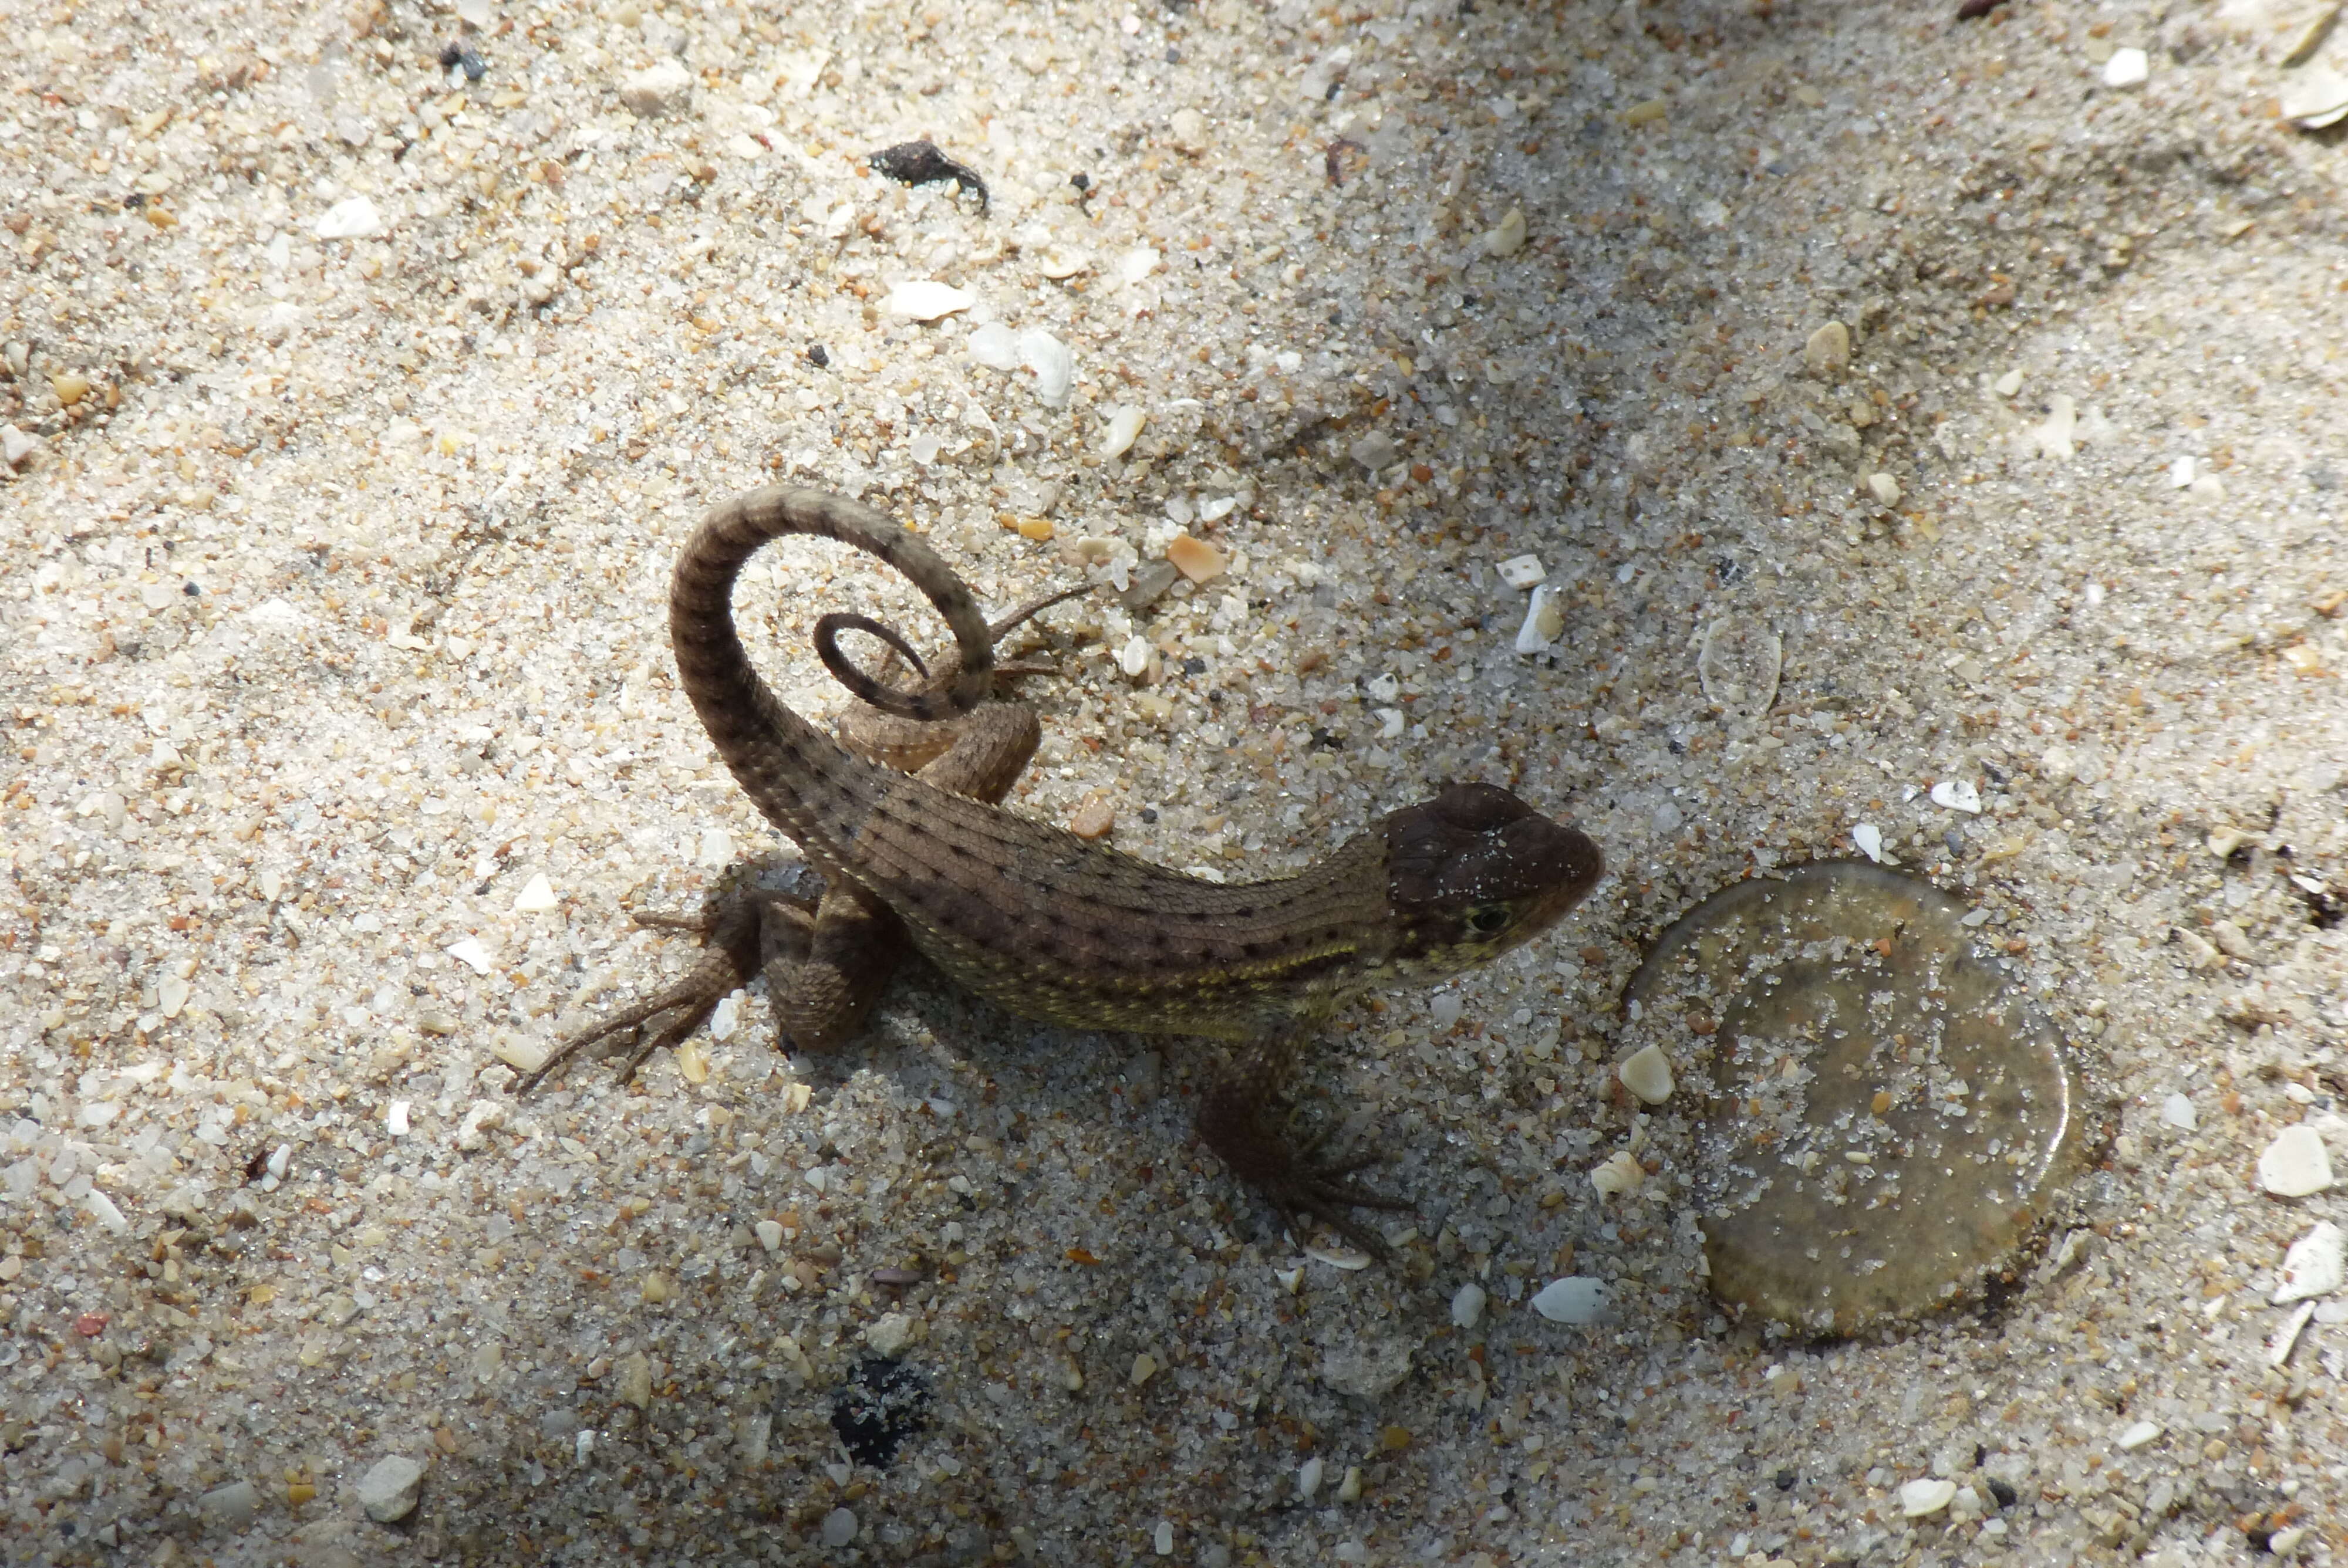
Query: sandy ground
{"x": 357, "y": 397}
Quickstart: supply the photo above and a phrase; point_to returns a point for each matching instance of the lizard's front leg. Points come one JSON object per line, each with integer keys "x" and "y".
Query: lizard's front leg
{"x": 1240, "y": 1119}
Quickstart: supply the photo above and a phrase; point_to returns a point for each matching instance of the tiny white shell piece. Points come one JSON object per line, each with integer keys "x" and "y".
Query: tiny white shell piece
{"x": 1544, "y": 622}
{"x": 1620, "y": 1172}
{"x": 1870, "y": 839}
{"x": 926, "y": 299}
{"x": 2296, "y": 1163}
{"x": 1919, "y": 1499}
{"x": 1576, "y": 1298}
{"x": 1522, "y": 571}
{"x": 1124, "y": 428}
{"x": 1957, "y": 795}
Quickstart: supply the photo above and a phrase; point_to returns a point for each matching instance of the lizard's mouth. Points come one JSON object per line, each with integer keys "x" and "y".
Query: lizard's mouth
{"x": 1475, "y": 872}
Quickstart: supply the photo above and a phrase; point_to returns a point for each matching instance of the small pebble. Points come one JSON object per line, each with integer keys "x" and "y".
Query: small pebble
{"x": 1195, "y": 558}
{"x": 2296, "y": 1163}
{"x": 1094, "y": 818}
{"x": 1921, "y": 1498}
{"x": 1150, "y": 582}
{"x": 171, "y": 995}
{"x": 1522, "y": 571}
{"x": 1884, "y": 488}
{"x": 1648, "y": 1075}
{"x": 1308, "y": 1478}
{"x": 838, "y": 1528}
{"x": 771, "y": 1235}
{"x": 2009, "y": 384}
{"x": 2138, "y": 1434}
{"x": 715, "y": 850}
{"x": 2316, "y": 1265}
{"x": 1828, "y": 348}
{"x": 1376, "y": 450}
{"x": 926, "y": 299}
{"x": 229, "y": 1507}
{"x": 395, "y": 1119}
{"x": 1446, "y": 1008}
{"x": 16, "y": 445}
{"x": 1573, "y": 1300}
{"x": 1134, "y": 657}
{"x": 2177, "y": 1111}
{"x": 663, "y": 89}
{"x": 388, "y": 1490}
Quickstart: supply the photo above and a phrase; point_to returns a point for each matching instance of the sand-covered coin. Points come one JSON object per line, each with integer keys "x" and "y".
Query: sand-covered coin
{"x": 1887, "y": 1117}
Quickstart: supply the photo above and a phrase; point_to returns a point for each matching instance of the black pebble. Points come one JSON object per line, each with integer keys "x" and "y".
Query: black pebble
{"x": 2002, "y": 1491}
{"x": 818, "y": 355}
{"x": 882, "y": 1404}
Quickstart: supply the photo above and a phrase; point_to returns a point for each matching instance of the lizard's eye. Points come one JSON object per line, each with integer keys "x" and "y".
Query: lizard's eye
{"x": 1486, "y": 919}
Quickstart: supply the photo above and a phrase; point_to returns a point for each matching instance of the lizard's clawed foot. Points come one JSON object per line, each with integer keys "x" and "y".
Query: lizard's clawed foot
{"x": 1297, "y": 1183}
{"x": 732, "y": 930}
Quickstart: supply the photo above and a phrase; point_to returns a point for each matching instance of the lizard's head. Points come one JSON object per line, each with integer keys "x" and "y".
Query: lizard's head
{"x": 1475, "y": 872}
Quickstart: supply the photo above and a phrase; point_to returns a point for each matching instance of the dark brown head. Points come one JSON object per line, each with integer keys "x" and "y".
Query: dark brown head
{"x": 1475, "y": 872}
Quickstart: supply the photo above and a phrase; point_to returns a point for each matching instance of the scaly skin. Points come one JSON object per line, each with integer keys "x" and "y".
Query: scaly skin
{"x": 1053, "y": 927}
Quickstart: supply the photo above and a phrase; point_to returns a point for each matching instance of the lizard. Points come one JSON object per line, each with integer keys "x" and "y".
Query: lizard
{"x": 1054, "y": 927}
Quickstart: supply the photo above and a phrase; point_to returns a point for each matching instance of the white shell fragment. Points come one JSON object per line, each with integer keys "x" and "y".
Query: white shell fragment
{"x": 2286, "y": 1333}
{"x": 1576, "y": 1298}
{"x": 2316, "y": 1265}
{"x": 1124, "y": 429}
{"x": 1510, "y": 237}
{"x": 1618, "y": 1173}
{"x": 2138, "y": 1434}
{"x": 1522, "y": 571}
{"x": 1468, "y": 1305}
{"x": 1648, "y": 1075}
{"x": 1544, "y": 622}
{"x": 537, "y": 897}
{"x": 1884, "y": 488}
{"x": 468, "y": 952}
{"x": 2177, "y": 1111}
{"x": 994, "y": 345}
{"x": 1053, "y": 362}
{"x": 353, "y": 217}
{"x": 2314, "y": 97}
{"x": 1868, "y": 838}
{"x": 2053, "y": 439}
{"x": 926, "y": 300}
{"x": 1957, "y": 795}
{"x": 2296, "y": 1163}
{"x": 1058, "y": 264}
{"x": 2127, "y": 68}
{"x": 1922, "y": 1499}
{"x": 1137, "y": 265}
